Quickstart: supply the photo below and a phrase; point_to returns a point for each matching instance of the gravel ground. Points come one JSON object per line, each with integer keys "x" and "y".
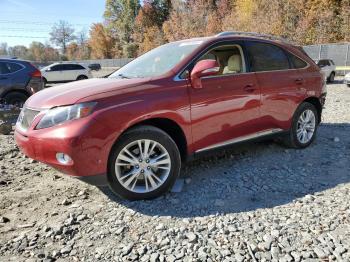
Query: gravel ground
{"x": 258, "y": 202}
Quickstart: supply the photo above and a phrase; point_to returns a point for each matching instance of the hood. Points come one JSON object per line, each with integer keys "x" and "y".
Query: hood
{"x": 71, "y": 93}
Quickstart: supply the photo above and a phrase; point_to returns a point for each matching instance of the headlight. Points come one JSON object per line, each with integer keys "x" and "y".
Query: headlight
{"x": 59, "y": 115}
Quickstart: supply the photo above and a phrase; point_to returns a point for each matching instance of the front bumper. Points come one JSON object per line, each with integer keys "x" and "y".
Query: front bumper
{"x": 80, "y": 139}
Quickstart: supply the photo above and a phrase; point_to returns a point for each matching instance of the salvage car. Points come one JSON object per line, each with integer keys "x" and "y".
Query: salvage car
{"x": 138, "y": 126}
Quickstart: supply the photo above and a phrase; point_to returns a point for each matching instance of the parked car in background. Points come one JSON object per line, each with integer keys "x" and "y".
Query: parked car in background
{"x": 171, "y": 104}
{"x": 328, "y": 68}
{"x": 18, "y": 80}
{"x": 95, "y": 66}
{"x": 65, "y": 72}
{"x": 347, "y": 79}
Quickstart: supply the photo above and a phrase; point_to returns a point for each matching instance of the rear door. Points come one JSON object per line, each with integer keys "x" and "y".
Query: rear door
{"x": 281, "y": 85}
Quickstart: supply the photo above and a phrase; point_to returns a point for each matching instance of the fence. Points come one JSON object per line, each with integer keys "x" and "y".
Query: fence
{"x": 339, "y": 53}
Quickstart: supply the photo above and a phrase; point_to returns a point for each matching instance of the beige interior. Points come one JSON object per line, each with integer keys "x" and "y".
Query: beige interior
{"x": 229, "y": 57}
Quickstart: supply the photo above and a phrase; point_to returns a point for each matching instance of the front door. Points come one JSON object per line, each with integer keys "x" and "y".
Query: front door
{"x": 226, "y": 108}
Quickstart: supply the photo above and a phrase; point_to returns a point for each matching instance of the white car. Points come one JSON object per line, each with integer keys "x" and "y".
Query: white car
{"x": 347, "y": 79}
{"x": 328, "y": 68}
{"x": 65, "y": 72}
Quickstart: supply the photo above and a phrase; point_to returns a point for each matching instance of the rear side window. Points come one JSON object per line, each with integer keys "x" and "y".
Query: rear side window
{"x": 297, "y": 62}
{"x": 76, "y": 67}
{"x": 266, "y": 57}
{"x": 4, "y": 69}
{"x": 8, "y": 68}
{"x": 13, "y": 67}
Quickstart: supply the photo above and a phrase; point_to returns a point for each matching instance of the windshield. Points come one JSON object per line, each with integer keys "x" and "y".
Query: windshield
{"x": 157, "y": 61}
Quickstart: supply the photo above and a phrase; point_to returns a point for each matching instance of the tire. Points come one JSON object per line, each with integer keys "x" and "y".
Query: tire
{"x": 348, "y": 85}
{"x": 45, "y": 82}
{"x": 331, "y": 77}
{"x": 140, "y": 187}
{"x": 292, "y": 139}
{"x": 82, "y": 77}
{"x": 15, "y": 98}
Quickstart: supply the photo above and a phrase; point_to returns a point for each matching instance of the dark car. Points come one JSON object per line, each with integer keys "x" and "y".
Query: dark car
{"x": 172, "y": 104}
{"x": 18, "y": 80}
{"x": 95, "y": 67}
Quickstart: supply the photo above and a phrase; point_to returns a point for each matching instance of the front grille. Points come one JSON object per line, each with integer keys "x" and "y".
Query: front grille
{"x": 26, "y": 117}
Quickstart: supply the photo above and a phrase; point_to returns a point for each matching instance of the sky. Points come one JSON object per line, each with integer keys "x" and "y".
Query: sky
{"x": 24, "y": 21}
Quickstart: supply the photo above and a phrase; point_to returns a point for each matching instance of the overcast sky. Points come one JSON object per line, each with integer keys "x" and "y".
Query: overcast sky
{"x": 24, "y": 21}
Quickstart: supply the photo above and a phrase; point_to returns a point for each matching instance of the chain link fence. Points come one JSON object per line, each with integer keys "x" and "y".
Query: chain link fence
{"x": 339, "y": 53}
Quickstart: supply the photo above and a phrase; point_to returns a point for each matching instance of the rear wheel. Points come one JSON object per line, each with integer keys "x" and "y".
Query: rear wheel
{"x": 16, "y": 98}
{"x": 304, "y": 126}
{"x": 144, "y": 164}
{"x": 82, "y": 77}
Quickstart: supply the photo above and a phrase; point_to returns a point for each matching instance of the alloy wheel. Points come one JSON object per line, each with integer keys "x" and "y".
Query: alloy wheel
{"x": 306, "y": 126}
{"x": 142, "y": 166}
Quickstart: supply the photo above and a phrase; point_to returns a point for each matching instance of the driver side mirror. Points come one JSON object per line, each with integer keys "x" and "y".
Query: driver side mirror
{"x": 208, "y": 67}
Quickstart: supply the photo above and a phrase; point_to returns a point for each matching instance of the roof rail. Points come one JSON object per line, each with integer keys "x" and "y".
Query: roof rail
{"x": 254, "y": 34}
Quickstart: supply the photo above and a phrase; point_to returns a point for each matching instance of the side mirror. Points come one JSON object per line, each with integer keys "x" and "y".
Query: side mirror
{"x": 203, "y": 68}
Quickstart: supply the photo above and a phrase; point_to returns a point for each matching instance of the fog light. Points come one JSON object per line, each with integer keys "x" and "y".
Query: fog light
{"x": 64, "y": 159}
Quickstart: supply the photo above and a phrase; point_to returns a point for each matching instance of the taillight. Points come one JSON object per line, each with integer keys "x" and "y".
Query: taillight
{"x": 36, "y": 73}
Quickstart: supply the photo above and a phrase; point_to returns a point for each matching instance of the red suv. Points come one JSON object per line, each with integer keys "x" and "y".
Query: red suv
{"x": 137, "y": 126}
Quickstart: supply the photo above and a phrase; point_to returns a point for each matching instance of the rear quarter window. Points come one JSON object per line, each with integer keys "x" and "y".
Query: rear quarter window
{"x": 297, "y": 62}
{"x": 266, "y": 57}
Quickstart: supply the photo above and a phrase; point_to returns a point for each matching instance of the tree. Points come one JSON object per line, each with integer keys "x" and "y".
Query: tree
{"x": 3, "y": 49}
{"x": 101, "y": 43}
{"x": 19, "y": 51}
{"x": 72, "y": 51}
{"x": 61, "y": 34}
{"x": 120, "y": 18}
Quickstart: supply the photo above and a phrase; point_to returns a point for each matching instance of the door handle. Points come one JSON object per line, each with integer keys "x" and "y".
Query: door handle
{"x": 249, "y": 88}
{"x": 299, "y": 81}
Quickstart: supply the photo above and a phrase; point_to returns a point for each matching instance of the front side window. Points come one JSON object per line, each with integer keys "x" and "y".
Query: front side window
{"x": 229, "y": 57}
{"x": 266, "y": 57}
{"x": 157, "y": 61}
{"x": 56, "y": 68}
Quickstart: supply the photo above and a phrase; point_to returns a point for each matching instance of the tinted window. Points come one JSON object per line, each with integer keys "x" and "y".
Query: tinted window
{"x": 76, "y": 67}
{"x": 4, "y": 69}
{"x": 13, "y": 67}
{"x": 322, "y": 63}
{"x": 297, "y": 62}
{"x": 266, "y": 57}
{"x": 58, "y": 68}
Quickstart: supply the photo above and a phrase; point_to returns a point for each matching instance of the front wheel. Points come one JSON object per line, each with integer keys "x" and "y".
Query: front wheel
{"x": 143, "y": 164}
{"x": 331, "y": 77}
{"x": 304, "y": 126}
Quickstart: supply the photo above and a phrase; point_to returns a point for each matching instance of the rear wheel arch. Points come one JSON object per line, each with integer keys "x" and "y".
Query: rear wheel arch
{"x": 316, "y": 102}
